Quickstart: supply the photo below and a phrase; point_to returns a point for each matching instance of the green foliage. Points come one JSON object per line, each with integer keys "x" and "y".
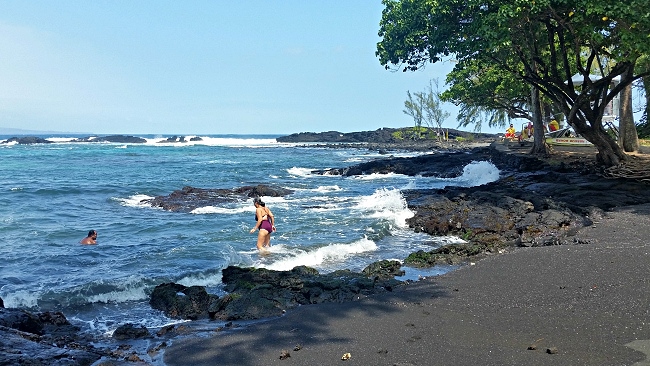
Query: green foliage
{"x": 487, "y": 92}
{"x": 467, "y": 235}
{"x": 414, "y": 107}
{"x": 544, "y": 43}
{"x": 426, "y": 107}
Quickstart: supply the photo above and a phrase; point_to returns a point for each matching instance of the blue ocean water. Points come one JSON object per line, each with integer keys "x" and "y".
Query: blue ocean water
{"x": 52, "y": 194}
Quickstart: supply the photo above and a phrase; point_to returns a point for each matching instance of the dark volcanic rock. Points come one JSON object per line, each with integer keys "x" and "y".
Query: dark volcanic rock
{"x": 28, "y": 140}
{"x": 257, "y": 293}
{"x": 190, "y": 198}
{"x": 532, "y": 204}
{"x": 441, "y": 165}
{"x": 380, "y": 136}
{"x": 121, "y": 139}
{"x": 131, "y": 331}
{"x": 21, "y": 320}
{"x": 448, "y": 254}
{"x": 42, "y": 339}
{"x": 178, "y": 301}
{"x": 174, "y": 139}
{"x": 383, "y": 269}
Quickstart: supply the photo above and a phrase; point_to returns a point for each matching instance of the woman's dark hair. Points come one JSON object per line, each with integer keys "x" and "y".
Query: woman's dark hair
{"x": 91, "y": 232}
{"x": 259, "y": 201}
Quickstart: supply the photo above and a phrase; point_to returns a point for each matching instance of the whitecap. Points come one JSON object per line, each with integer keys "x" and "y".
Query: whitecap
{"x": 201, "y": 279}
{"x": 21, "y": 299}
{"x": 300, "y": 172}
{"x": 127, "y": 293}
{"x": 333, "y": 253}
{"x": 327, "y": 189}
{"x": 135, "y": 201}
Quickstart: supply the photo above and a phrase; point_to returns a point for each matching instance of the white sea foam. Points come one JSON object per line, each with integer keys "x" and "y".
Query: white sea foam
{"x": 318, "y": 257}
{"x": 444, "y": 240}
{"x": 215, "y": 141}
{"x": 478, "y": 173}
{"x": 60, "y": 139}
{"x": 387, "y": 204}
{"x": 327, "y": 189}
{"x": 300, "y": 172}
{"x": 410, "y": 185}
{"x": 124, "y": 294}
{"x": 135, "y": 201}
{"x": 21, "y": 299}
{"x": 201, "y": 279}
{"x": 374, "y": 176}
{"x": 221, "y": 210}
{"x": 325, "y": 208}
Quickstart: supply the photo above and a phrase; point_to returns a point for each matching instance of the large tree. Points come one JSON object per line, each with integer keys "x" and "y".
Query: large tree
{"x": 543, "y": 42}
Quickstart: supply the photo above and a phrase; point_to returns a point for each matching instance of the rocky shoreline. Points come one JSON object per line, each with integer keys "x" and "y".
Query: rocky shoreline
{"x": 536, "y": 202}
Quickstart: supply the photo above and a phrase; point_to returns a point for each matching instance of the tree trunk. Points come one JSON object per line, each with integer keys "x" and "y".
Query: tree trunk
{"x": 609, "y": 152}
{"x": 539, "y": 143}
{"x": 627, "y": 138}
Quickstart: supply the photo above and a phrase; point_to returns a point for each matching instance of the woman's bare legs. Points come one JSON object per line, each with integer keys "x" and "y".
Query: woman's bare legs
{"x": 267, "y": 239}
{"x": 263, "y": 237}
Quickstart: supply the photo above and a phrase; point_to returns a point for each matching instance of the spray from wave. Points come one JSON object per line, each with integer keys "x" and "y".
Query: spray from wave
{"x": 386, "y": 204}
{"x": 321, "y": 257}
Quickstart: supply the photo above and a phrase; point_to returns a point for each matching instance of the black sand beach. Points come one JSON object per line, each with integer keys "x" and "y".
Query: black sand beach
{"x": 581, "y": 304}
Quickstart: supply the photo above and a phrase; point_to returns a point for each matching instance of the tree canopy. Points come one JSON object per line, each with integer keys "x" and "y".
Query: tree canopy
{"x": 545, "y": 43}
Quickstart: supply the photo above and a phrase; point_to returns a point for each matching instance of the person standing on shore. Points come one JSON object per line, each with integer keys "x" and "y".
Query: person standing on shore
{"x": 90, "y": 239}
{"x": 265, "y": 223}
{"x": 510, "y": 132}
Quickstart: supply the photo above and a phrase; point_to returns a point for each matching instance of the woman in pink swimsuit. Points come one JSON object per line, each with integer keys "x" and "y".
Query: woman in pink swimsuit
{"x": 265, "y": 223}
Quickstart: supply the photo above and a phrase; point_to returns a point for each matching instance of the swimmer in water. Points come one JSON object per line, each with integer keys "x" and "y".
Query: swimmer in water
{"x": 90, "y": 239}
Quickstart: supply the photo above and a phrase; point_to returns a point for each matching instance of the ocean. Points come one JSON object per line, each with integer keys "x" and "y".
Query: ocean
{"x": 51, "y": 195}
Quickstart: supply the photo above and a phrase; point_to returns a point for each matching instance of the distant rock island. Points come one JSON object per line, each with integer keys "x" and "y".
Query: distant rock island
{"x": 26, "y": 140}
{"x": 120, "y": 139}
{"x": 113, "y": 138}
{"x": 382, "y": 135}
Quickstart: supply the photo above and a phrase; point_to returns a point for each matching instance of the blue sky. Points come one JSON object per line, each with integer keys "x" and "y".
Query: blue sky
{"x": 199, "y": 67}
